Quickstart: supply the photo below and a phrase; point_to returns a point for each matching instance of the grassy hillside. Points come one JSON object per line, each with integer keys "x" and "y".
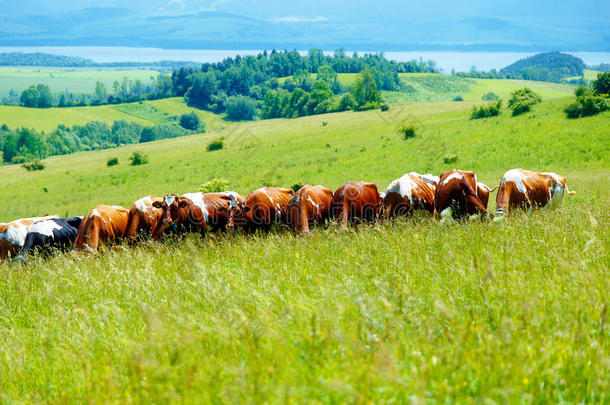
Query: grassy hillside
{"x": 146, "y": 113}
{"x": 426, "y": 87}
{"x": 406, "y": 311}
{"x": 76, "y": 80}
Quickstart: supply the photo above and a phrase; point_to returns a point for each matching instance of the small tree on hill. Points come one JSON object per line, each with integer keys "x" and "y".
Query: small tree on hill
{"x": 190, "y": 121}
{"x": 365, "y": 91}
{"x": 601, "y": 85}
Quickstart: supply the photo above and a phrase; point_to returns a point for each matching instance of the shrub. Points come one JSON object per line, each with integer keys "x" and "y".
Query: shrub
{"x": 347, "y": 102}
{"x": 488, "y": 110}
{"x": 190, "y": 121}
{"x": 407, "y": 130}
{"x": 522, "y": 100}
{"x": 34, "y": 165}
{"x": 297, "y": 186}
{"x": 112, "y": 161}
{"x": 371, "y": 105}
{"x": 216, "y": 144}
{"x": 138, "y": 158}
{"x": 490, "y": 97}
{"x": 450, "y": 159}
{"x": 241, "y": 108}
{"x": 588, "y": 101}
{"x": 385, "y": 107}
{"x": 214, "y": 186}
{"x": 458, "y": 98}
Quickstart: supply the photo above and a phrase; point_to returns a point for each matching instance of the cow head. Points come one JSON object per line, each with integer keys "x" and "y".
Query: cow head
{"x": 236, "y": 213}
{"x": 171, "y": 205}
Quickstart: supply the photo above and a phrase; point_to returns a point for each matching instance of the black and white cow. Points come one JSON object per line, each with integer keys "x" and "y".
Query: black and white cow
{"x": 55, "y": 233}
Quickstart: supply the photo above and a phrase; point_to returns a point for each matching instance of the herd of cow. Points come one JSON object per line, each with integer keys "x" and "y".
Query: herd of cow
{"x": 455, "y": 194}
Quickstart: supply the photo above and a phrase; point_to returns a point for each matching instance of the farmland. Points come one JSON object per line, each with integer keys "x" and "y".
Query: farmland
{"x": 404, "y": 311}
{"x": 145, "y": 113}
{"x": 76, "y": 80}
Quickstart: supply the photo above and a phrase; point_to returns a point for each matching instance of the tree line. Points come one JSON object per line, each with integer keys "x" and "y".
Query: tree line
{"x": 23, "y": 144}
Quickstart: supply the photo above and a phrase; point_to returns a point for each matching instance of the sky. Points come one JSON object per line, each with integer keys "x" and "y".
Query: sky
{"x": 542, "y": 24}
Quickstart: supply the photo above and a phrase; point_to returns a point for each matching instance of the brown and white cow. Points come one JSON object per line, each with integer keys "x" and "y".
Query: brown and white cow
{"x": 458, "y": 195}
{"x": 261, "y": 209}
{"x": 13, "y": 234}
{"x": 411, "y": 192}
{"x": 105, "y": 224}
{"x": 310, "y": 205}
{"x": 143, "y": 217}
{"x": 195, "y": 212}
{"x": 525, "y": 189}
{"x": 355, "y": 201}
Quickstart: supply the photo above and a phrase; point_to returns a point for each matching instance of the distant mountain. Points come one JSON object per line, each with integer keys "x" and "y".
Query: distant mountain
{"x": 263, "y": 24}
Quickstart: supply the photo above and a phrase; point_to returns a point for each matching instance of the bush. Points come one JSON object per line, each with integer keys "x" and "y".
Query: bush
{"x": 112, "y": 161}
{"x": 385, "y": 107}
{"x": 34, "y": 165}
{"x": 488, "y": 110}
{"x": 215, "y": 145}
{"x": 407, "y": 130}
{"x": 347, "y": 102}
{"x": 450, "y": 159}
{"x": 138, "y": 158}
{"x": 371, "y": 105}
{"x": 190, "y": 121}
{"x": 588, "y": 101}
{"x": 214, "y": 186}
{"x": 458, "y": 98}
{"x": 522, "y": 100}
{"x": 297, "y": 186}
{"x": 240, "y": 108}
{"x": 490, "y": 97}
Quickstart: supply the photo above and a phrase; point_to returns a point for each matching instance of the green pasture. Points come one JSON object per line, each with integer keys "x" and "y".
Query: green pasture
{"x": 406, "y": 311}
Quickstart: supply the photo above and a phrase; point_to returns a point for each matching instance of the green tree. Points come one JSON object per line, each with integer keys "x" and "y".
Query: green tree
{"x": 241, "y": 108}
{"x": 100, "y": 91}
{"x": 30, "y": 97}
{"x": 204, "y": 86}
{"x": 190, "y": 121}
{"x": 45, "y": 97}
{"x": 601, "y": 85}
{"x": 365, "y": 91}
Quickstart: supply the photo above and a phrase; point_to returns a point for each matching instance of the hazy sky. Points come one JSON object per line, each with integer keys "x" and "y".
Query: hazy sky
{"x": 320, "y": 10}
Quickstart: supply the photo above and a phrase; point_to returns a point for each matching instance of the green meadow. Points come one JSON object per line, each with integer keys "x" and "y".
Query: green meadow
{"x": 75, "y": 80}
{"x": 406, "y": 311}
{"x": 145, "y": 113}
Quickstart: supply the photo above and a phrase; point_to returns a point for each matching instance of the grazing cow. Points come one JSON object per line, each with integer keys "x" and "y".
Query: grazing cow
{"x": 457, "y": 195}
{"x": 525, "y": 189}
{"x": 309, "y": 206}
{"x": 195, "y": 212}
{"x": 55, "y": 233}
{"x": 143, "y": 217}
{"x": 355, "y": 201}
{"x": 105, "y": 224}
{"x": 411, "y": 192}
{"x": 261, "y": 209}
{"x": 13, "y": 234}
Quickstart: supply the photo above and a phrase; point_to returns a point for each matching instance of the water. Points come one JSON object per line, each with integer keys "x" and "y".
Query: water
{"x": 460, "y": 61}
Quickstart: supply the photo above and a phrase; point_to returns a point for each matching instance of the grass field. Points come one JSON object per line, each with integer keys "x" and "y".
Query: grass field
{"x": 145, "y": 113}
{"x": 406, "y": 311}
{"x": 75, "y": 80}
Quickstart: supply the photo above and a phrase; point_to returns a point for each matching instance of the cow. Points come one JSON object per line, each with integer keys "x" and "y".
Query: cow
{"x": 355, "y": 201}
{"x": 310, "y": 205}
{"x": 261, "y": 209}
{"x": 143, "y": 217}
{"x": 458, "y": 195}
{"x": 483, "y": 192}
{"x": 54, "y": 233}
{"x": 525, "y": 189}
{"x": 411, "y": 192}
{"x": 195, "y": 212}
{"x": 13, "y": 234}
{"x": 104, "y": 224}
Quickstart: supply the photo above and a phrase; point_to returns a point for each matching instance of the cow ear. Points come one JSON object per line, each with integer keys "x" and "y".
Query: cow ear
{"x": 224, "y": 208}
{"x": 182, "y": 203}
{"x": 157, "y": 204}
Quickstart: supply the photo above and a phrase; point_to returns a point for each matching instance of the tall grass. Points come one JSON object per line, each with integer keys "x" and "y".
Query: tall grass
{"x": 404, "y": 311}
